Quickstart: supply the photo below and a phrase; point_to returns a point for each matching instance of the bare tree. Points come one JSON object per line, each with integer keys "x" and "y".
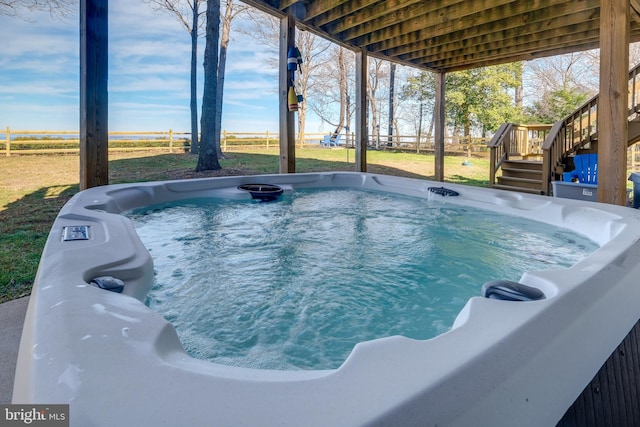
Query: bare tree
{"x": 264, "y": 29}
{"x": 392, "y": 80}
{"x": 559, "y": 84}
{"x": 312, "y": 49}
{"x": 377, "y": 72}
{"x": 330, "y": 98}
{"x": 208, "y": 157}
{"x": 16, "y": 8}
{"x": 187, "y": 12}
{"x": 575, "y": 70}
{"x": 231, "y": 11}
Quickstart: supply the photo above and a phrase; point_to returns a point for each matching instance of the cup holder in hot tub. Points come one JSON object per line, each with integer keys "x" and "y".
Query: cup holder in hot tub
{"x": 262, "y": 192}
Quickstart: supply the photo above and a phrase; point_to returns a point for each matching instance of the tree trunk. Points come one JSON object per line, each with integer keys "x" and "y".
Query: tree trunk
{"x": 222, "y": 64}
{"x": 344, "y": 92}
{"x": 519, "y": 95}
{"x": 420, "y": 125}
{"x": 208, "y": 158}
{"x": 372, "y": 87}
{"x": 305, "y": 42}
{"x": 195, "y": 144}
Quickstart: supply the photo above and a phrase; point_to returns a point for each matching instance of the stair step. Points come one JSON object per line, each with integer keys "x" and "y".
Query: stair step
{"x": 522, "y": 164}
{"x": 522, "y": 173}
{"x": 518, "y": 189}
{"x": 535, "y": 184}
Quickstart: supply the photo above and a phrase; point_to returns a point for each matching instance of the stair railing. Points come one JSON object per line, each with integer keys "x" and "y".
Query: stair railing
{"x": 579, "y": 129}
{"x": 498, "y": 150}
{"x": 515, "y": 140}
{"x": 567, "y": 137}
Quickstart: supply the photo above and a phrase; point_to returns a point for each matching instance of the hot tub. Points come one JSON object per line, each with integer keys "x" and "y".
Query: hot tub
{"x": 116, "y": 362}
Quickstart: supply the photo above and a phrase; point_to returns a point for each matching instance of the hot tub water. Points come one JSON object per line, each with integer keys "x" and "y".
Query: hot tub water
{"x": 296, "y": 283}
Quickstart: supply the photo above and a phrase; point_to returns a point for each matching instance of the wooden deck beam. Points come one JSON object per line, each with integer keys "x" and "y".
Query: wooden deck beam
{"x": 439, "y": 127}
{"x": 287, "y": 118}
{"x": 94, "y": 129}
{"x": 612, "y": 107}
{"x": 361, "y": 137}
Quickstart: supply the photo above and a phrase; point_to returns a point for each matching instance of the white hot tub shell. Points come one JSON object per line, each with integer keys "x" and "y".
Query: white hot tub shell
{"x": 116, "y": 362}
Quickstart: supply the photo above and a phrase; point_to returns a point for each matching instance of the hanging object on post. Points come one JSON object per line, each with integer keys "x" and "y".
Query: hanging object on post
{"x": 292, "y": 98}
{"x": 294, "y": 58}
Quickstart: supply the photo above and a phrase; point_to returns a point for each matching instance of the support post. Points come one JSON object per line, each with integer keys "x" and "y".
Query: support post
{"x": 94, "y": 129}
{"x": 361, "y": 137}
{"x": 8, "y": 142}
{"x": 439, "y": 127}
{"x": 224, "y": 140}
{"x": 287, "y": 118}
{"x": 613, "y": 124}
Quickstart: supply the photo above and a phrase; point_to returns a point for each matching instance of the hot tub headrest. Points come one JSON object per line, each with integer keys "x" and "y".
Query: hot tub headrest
{"x": 108, "y": 283}
{"x": 511, "y": 291}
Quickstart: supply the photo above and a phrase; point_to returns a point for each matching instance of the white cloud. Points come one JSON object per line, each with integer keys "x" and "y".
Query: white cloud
{"x": 148, "y": 84}
{"x": 149, "y": 73}
{"x": 41, "y": 88}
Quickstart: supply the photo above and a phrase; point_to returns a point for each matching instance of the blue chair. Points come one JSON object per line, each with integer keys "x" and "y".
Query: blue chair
{"x": 586, "y": 169}
{"x": 330, "y": 140}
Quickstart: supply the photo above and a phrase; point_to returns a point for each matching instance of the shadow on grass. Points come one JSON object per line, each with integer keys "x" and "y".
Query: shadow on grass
{"x": 182, "y": 166}
{"x": 24, "y": 227}
{"x": 459, "y": 179}
{"x": 25, "y": 223}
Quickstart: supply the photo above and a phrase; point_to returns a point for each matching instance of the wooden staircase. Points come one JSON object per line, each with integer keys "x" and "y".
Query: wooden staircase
{"x": 554, "y": 144}
{"x": 521, "y": 175}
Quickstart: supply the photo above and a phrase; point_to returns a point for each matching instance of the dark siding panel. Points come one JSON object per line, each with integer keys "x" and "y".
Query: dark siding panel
{"x": 611, "y": 399}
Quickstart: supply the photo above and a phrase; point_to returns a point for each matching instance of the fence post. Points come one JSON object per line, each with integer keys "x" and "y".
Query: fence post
{"x": 7, "y": 145}
{"x": 224, "y": 140}
{"x": 267, "y": 140}
{"x": 170, "y": 141}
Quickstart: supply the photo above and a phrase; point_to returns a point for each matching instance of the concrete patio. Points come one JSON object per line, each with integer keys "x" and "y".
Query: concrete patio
{"x": 12, "y": 315}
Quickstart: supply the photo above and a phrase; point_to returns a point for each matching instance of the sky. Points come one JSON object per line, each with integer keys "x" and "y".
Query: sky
{"x": 149, "y": 61}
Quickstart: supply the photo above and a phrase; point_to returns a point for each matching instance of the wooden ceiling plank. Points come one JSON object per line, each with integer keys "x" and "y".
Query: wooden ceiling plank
{"x": 440, "y": 66}
{"x": 324, "y": 11}
{"x": 357, "y": 11}
{"x": 494, "y": 17}
{"x": 382, "y": 14}
{"x": 498, "y": 55}
{"x": 634, "y": 10}
{"x": 318, "y": 8}
{"x": 527, "y": 56}
{"x": 285, "y": 4}
{"x": 513, "y": 36}
{"x": 443, "y": 36}
{"x": 509, "y": 53}
{"x": 489, "y": 48}
{"x": 510, "y": 28}
{"x": 420, "y": 18}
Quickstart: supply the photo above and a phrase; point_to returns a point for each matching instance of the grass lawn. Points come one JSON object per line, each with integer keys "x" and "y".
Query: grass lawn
{"x": 34, "y": 188}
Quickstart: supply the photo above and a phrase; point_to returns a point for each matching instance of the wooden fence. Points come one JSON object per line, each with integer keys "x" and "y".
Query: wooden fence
{"x": 16, "y": 142}
{"x": 62, "y": 142}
